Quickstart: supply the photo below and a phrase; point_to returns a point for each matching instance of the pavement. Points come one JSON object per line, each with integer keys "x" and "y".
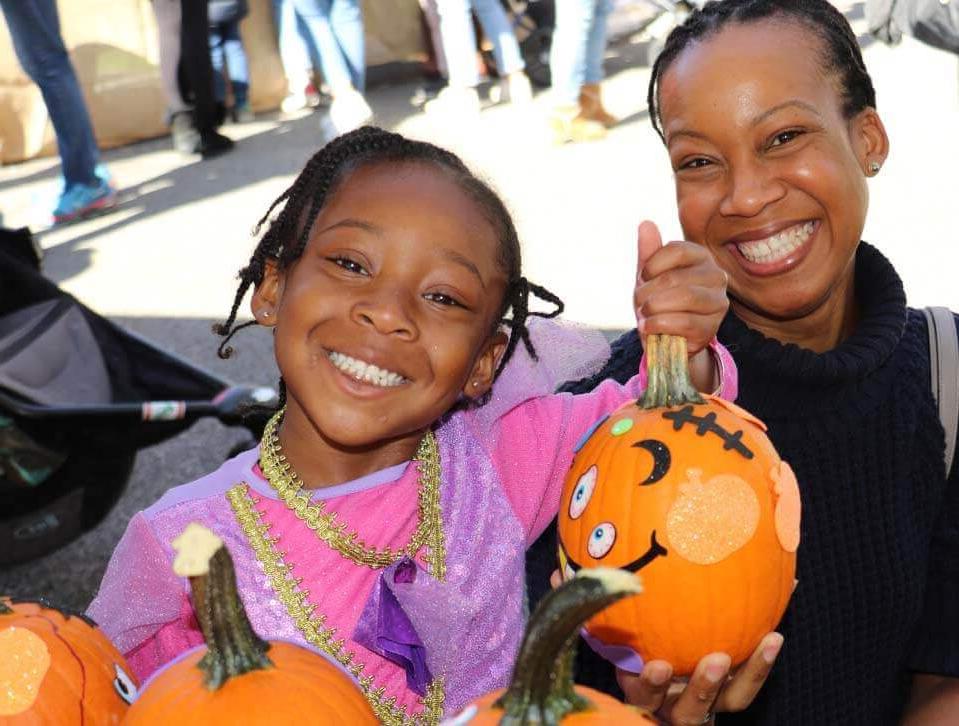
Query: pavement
{"x": 164, "y": 264}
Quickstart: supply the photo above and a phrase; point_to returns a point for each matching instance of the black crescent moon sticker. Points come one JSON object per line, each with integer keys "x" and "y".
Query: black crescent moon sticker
{"x": 661, "y": 459}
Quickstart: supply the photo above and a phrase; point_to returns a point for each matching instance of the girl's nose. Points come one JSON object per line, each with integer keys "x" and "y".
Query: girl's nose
{"x": 750, "y": 189}
{"x": 388, "y": 311}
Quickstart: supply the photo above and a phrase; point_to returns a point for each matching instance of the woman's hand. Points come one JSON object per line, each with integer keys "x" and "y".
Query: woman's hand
{"x": 710, "y": 688}
{"x": 680, "y": 290}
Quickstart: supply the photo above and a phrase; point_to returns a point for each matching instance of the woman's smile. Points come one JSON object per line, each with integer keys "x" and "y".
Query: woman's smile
{"x": 763, "y": 254}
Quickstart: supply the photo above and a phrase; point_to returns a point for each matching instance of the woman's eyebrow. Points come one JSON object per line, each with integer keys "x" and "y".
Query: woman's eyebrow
{"x": 795, "y": 102}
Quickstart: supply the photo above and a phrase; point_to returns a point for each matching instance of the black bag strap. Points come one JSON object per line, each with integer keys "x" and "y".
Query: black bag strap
{"x": 944, "y": 365}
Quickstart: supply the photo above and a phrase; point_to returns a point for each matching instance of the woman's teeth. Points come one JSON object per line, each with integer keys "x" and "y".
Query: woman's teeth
{"x": 365, "y": 372}
{"x": 779, "y": 246}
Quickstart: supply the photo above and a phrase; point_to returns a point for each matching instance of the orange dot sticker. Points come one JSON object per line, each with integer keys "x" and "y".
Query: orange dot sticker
{"x": 709, "y": 521}
{"x": 23, "y": 666}
{"x": 788, "y": 506}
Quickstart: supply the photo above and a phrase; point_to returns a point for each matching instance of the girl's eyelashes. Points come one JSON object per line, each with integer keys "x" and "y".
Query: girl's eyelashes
{"x": 441, "y": 298}
{"x": 698, "y": 162}
{"x": 348, "y": 264}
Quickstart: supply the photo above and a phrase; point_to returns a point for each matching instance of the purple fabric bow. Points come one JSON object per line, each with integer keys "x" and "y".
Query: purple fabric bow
{"x": 385, "y": 629}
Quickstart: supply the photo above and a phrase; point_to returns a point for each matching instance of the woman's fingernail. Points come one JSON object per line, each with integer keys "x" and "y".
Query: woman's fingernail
{"x": 772, "y": 649}
{"x": 715, "y": 672}
{"x": 658, "y": 676}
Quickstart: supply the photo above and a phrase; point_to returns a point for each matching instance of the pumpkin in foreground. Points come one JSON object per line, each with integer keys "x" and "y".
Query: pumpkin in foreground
{"x": 689, "y": 490}
{"x": 541, "y": 689}
{"x": 56, "y": 666}
{"x": 238, "y": 677}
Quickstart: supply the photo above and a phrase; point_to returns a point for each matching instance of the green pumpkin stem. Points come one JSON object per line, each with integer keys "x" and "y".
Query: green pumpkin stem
{"x": 667, "y": 364}
{"x": 541, "y": 691}
{"x": 233, "y": 647}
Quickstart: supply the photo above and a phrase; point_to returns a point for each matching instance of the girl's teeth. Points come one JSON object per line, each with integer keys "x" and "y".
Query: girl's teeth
{"x": 777, "y": 247}
{"x": 366, "y": 372}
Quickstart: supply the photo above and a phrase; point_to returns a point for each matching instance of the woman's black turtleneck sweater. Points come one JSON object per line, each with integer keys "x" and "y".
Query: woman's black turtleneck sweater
{"x": 878, "y": 564}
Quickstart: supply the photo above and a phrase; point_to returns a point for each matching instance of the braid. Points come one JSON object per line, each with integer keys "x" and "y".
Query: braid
{"x": 518, "y": 300}
{"x": 842, "y": 55}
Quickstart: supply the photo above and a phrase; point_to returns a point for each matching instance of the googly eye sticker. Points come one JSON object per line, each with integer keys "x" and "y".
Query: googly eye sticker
{"x": 583, "y": 492}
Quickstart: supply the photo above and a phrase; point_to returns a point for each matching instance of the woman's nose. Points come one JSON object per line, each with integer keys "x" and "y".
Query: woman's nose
{"x": 750, "y": 189}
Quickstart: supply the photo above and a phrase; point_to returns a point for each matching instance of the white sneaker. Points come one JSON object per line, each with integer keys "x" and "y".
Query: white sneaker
{"x": 455, "y": 101}
{"x": 348, "y": 111}
{"x": 515, "y": 88}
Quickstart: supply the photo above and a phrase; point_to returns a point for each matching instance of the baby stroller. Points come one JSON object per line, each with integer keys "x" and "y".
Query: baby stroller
{"x": 79, "y": 396}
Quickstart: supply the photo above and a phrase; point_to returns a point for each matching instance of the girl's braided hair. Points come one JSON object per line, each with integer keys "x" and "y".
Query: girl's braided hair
{"x": 841, "y": 57}
{"x": 287, "y": 234}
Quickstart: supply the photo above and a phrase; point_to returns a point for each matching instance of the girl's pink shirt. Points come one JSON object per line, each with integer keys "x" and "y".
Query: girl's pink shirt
{"x": 531, "y": 446}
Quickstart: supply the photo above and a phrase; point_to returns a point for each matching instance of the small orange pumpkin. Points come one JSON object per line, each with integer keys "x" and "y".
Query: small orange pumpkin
{"x": 57, "y": 668}
{"x": 237, "y": 677}
{"x": 541, "y": 689}
{"x": 689, "y": 490}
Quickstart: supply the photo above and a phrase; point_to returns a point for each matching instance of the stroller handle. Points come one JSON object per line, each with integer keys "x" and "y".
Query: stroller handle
{"x": 228, "y": 406}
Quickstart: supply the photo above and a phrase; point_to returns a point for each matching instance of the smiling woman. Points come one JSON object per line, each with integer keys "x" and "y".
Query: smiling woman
{"x": 769, "y": 118}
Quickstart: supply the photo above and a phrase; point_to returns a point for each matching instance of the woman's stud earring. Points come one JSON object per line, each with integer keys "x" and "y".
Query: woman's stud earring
{"x": 475, "y": 384}
{"x": 874, "y": 167}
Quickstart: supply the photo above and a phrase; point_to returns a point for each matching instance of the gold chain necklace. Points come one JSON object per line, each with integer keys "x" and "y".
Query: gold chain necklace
{"x": 429, "y": 528}
{"x": 312, "y": 624}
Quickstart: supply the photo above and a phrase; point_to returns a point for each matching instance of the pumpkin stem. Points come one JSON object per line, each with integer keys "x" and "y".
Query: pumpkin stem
{"x": 233, "y": 647}
{"x": 667, "y": 364}
{"x": 4, "y": 608}
{"x": 541, "y": 691}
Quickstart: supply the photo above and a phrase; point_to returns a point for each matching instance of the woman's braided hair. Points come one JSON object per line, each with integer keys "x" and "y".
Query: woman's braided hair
{"x": 289, "y": 231}
{"x": 842, "y": 56}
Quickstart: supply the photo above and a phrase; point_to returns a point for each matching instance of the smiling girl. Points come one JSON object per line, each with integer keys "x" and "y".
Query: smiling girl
{"x": 384, "y": 517}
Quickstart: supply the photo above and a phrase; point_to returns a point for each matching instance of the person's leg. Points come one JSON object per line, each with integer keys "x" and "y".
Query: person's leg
{"x": 459, "y": 42}
{"x": 293, "y": 52}
{"x": 497, "y": 28}
{"x": 436, "y": 39}
{"x": 316, "y": 16}
{"x": 167, "y": 13}
{"x": 346, "y": 21}
{"x": 217, "y": 41}
{"x": 590, "y": 97}
{"x": 236, "y": 64}
{"x": 195, "y": 63}
{"x": 35, "y": 30}
{"x": 596, "y": 42}
{"x": 567, "y": 61}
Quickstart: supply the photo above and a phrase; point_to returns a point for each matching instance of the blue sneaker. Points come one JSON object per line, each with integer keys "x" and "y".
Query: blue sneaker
{"x": 81, "y": 200}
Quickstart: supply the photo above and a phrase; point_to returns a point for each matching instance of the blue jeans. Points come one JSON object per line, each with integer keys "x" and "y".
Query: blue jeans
{"x": 336, "y": 29}
{"x": 225, "y": 43}
{"x": 459, "y": 41}
{"x": 579, "y": 43}
{"x": 35, "y": 29}
{"x": 297, "y": 52}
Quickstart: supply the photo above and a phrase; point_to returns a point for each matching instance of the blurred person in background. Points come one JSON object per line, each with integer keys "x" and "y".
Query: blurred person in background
{"x": 186, "y": 72}
{"x": 298, "y": 56}
{"x": 576, "y": 64}
{"x": 229, "y": 58}
{"x": 34, "y": 27}
{"x": 335, "y": 29}
{"x": 459, "y": 49}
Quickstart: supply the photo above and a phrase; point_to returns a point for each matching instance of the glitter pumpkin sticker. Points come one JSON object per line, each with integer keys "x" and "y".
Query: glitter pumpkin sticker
{"x": 23, "y": 666}
{"x": 710, "y": 520}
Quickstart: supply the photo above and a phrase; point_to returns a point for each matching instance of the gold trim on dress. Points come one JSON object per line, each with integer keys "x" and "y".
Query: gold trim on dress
{"x": 429, "y": 530}
{"x": 312, "y": 624}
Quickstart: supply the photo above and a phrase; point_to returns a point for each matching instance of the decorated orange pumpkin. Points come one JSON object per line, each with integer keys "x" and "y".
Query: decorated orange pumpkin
{"x": 237, "y": 677}
{"x": 542, "y": 690}
{"x": 58, "y": 668}
{"x": 688, "y": 490}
